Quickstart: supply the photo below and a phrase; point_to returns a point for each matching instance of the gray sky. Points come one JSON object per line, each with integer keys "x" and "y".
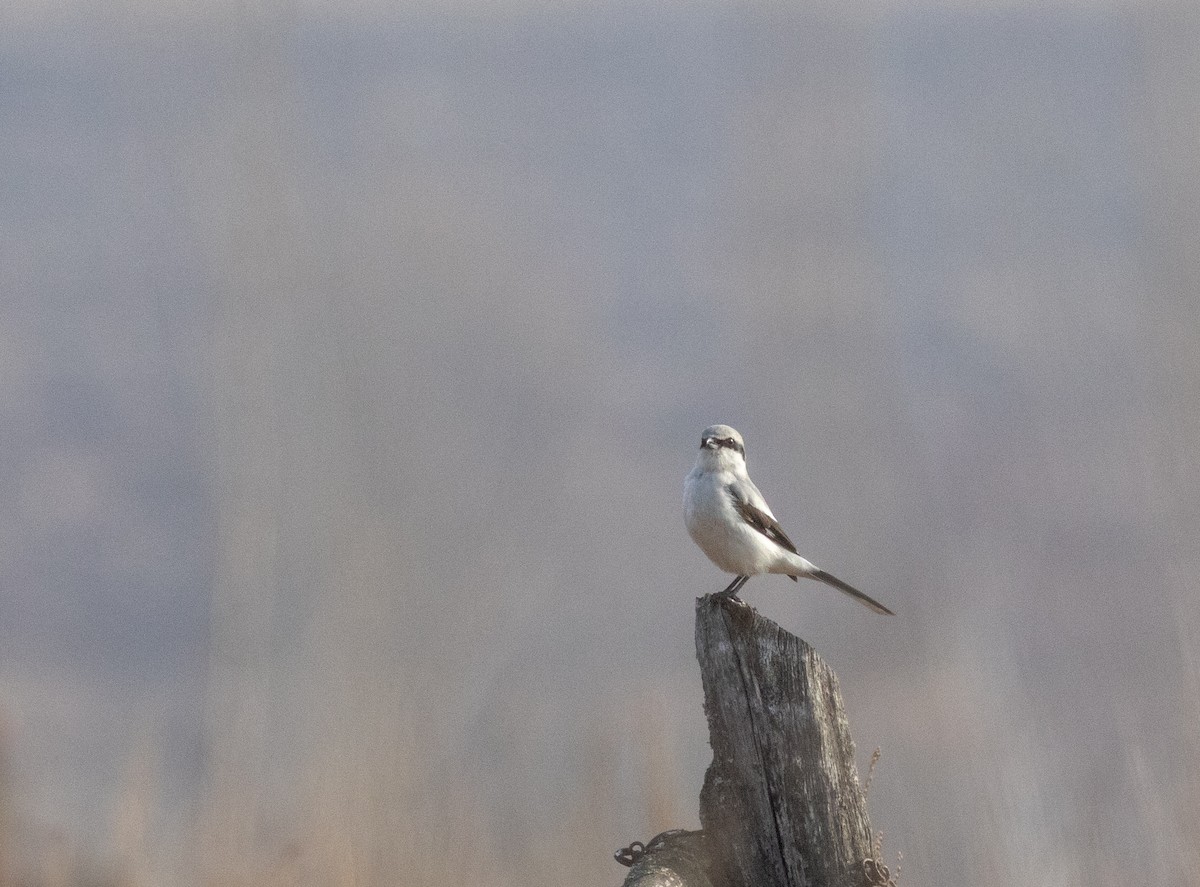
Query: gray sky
{"x": 351, "y": 368}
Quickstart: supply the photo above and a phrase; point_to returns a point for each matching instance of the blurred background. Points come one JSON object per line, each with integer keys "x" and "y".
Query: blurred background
{"x": 352, "y": 358}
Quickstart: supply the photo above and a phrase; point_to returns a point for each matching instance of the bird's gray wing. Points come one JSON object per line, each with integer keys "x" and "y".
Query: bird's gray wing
{"x": 754, "y": 510}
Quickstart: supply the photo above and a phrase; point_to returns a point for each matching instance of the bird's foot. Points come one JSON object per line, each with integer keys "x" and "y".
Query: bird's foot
{"x": 729, "y": 597}
{"x": 730, "y": 593}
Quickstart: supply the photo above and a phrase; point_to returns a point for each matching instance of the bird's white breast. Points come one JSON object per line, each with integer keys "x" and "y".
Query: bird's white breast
{"x": 715, "y": 525}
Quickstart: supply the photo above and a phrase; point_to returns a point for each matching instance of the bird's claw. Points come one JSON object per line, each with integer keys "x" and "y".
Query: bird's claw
{"x": 729, "y": 597}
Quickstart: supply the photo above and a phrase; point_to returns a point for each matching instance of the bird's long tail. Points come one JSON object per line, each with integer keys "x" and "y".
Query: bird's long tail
{"x": 830, "y": 579}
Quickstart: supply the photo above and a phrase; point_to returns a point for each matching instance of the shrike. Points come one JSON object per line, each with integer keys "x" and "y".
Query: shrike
{"x": 730, "y": 520}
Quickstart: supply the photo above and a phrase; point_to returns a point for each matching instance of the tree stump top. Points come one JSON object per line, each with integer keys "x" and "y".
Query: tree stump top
{"x": 781, "y": 803}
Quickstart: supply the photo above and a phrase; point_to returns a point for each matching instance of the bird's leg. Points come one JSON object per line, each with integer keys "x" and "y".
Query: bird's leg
{"x": 732, "y": 588}
{"x": 730, "y": 593}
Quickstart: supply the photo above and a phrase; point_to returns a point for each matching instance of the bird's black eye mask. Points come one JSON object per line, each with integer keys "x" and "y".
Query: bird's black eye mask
{"x": 728, "y": 443}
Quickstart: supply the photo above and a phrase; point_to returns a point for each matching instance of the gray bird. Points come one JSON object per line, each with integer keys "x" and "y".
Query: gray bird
{"x": 730, "y": 520}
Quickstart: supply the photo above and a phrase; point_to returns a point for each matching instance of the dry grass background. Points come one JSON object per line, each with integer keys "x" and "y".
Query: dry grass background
{"x": 298, "y": 298}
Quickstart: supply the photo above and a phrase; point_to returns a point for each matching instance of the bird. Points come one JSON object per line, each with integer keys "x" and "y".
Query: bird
{"x": 729, "y": 519}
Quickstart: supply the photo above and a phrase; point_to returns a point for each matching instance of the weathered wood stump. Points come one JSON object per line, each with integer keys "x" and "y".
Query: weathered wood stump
{"x": 781, "y": 804}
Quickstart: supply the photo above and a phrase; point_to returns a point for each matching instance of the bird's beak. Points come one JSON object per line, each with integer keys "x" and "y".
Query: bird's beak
{"x": 710, "y": 443}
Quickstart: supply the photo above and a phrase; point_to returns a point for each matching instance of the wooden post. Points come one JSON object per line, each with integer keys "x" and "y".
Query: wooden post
{"x": 781, "y": 804}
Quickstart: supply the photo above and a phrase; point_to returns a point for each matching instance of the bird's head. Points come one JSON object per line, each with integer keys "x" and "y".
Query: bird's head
{"x": 722, "y": 448}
